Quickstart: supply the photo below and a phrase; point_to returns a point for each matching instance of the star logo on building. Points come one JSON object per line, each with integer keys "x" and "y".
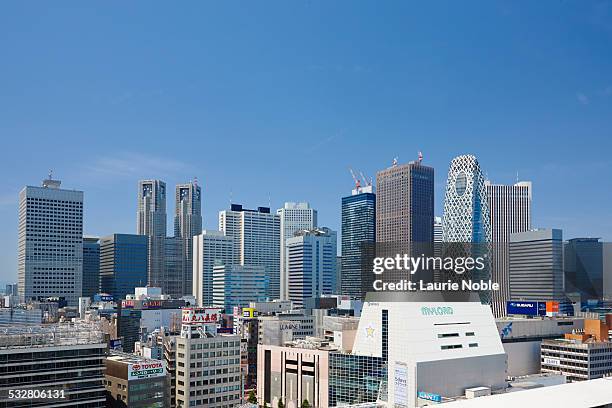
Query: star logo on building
{"x": 370, "y": 331}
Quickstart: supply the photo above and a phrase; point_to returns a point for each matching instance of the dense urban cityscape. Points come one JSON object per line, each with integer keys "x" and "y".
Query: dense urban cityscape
{"x": 267, "y": 312}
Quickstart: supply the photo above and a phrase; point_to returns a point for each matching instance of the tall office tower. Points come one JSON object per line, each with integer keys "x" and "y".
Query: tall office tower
{"x": 208, "y": 362}
{"x": 151, "y": 221}
{"x": 210, "y": 248}
{"x": 174, "y": 267}
{"x": 187, "y": 224}
{"x": 358, "y": 237}
{"x": 68, "y": 357}
{"x": 50, "y": 257}
{"x": 584, "y": 264}
{"x": 536, "y": 265}
{"x": 91, "y": 266}
{"x": 404, "y": 207}
{"x": 123, "y": 264}
{"x": 466, "y": 219}
{"x": 256, "y": 236}
{"x": 510, "y": 212}
{"x": 293, "y": 217}
{"x": 311, "y": 264}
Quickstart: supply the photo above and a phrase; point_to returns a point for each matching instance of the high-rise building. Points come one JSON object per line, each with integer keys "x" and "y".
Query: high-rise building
{"x": 584, "y": 264}
{"x": 174, "y": 266}
{"x": 91, "y": 266}
{"x": 466, "y": 208}
{"x": 151, "y": 221}
{"x": 66, "y": 359}
{"x": 50, "y": 255}
{"x": 187, "y": 224}
{"x": 510, "y": 212}
{"x": 293, "y": 217}
{"x": 536, "y": 265}
{"x": 210, "y": 248}
{"x": 311, "y": 264}
{"x": 123, "y": 264}
{"x": 466, "y": 219}
{"x": 207, "y": 362}
{"x": 256, "y": 236}
{"x": 404, "y": 207}
{"x": 358, "y": 237}
{"x": 238, "y": 285}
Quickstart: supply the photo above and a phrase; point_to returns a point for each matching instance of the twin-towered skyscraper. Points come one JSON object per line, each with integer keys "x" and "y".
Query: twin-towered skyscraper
{"x": 170, "y": 258}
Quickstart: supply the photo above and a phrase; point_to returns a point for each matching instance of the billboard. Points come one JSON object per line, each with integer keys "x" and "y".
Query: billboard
{"x": 201, "y": 315}
{"x": 429, "y": 396}
{"x": 149, "y": 369}
{"x": 528, "y": 308}
{"x": 401, "y": 385}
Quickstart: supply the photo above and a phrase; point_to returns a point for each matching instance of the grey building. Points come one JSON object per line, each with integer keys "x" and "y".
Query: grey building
{"x": 238, "y": 285}
{"x": 91, "y": 266}
{"x": 174, "y": 267}
{"x": 123, "y": 264}
{"x": 510, "y": 211}
{"x": 210, "y": 248}
{"x": 151, "y": 221}
{"x": 50, "y": 248}
{"x": 67, "y": 357}
{"x": 536, "y": 265}
{"x": 187, "y": 224}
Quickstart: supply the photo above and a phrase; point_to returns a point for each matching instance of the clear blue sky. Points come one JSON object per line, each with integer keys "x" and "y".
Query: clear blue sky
{"x": 272, "y": 101}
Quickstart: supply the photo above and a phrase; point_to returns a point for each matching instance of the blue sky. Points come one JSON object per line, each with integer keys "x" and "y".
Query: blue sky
{"x": 267, "y": 102}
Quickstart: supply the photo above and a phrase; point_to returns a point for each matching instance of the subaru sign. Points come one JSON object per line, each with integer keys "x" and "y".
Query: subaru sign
{"x": 526, "y": 308}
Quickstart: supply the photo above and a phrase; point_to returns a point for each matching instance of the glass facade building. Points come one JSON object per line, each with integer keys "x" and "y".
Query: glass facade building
{"x": 91, "y": 266}
{"x": 355, "y": 379}
{"x": 123, "y": 264}
{"x": 358, "y": 230}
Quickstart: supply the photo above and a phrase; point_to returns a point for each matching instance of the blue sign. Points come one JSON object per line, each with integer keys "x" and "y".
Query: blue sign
{"x": 115, "y": 344}
{"x": 429, "y": 396}
{"x": 526, "y": 308}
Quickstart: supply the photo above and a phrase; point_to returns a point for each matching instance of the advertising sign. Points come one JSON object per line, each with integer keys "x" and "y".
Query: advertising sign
{"x": 201, "y": 315}
{"x": 401, "y": 385}
{"x": 522, "y": 308}
{"x": 552, "y": 361}
{"x": 151, "y": 369}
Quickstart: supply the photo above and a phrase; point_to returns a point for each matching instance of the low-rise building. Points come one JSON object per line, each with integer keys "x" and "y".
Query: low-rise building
{"x": 134, "y": 381}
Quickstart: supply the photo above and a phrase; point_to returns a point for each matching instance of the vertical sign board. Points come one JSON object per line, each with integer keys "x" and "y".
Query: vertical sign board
{"x": 401, "y": 385}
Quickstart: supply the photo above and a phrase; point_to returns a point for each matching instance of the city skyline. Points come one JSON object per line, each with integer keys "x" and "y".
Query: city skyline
{"x": 295, "y": 103}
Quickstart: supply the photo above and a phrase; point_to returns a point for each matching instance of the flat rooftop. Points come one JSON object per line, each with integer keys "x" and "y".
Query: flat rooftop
{"x": 592, "y": 393}
{"x": 50, "y": 335}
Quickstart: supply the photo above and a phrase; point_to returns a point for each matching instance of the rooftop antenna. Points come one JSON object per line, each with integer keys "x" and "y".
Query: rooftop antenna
{"x": 517, "y": 177}
{"x": 195, "y": 181}
{"x": 420, "y": 157}
{"x": 230, "y": 197}
{"x": 394, "y": 163}
{"x": 50, "y": 174}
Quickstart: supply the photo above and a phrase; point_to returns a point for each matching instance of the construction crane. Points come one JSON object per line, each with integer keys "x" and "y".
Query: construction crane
{"x": 367, "y": 181}
{"x": 356, "y": 180}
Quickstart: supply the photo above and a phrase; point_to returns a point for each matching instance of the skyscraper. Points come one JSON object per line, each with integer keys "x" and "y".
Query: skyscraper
{"x": 293, "y": 217}
{"x": 210, "y": 248}
{"x": 91, "y": 266}
{"x": 404, "y": 206}
{"x": 510, "y": 212}
{"x": 151, "y": 221}
{"x": 584, "y": 268}
{"x": 187, "y": 224}
{"x": 311, "y": 264}
{"x": 256, "y": 235}
{"x": 466, "y": 218}
{"x": 123, "y": 264}
{"x": 536, "y": 265}
{"x": 50, "y": 255}
{"x": 358, "y": 235}
{"x": 238, "y": 285}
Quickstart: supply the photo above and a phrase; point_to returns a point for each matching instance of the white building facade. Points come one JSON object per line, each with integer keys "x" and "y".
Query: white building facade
{"x": 209, "y": 248}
